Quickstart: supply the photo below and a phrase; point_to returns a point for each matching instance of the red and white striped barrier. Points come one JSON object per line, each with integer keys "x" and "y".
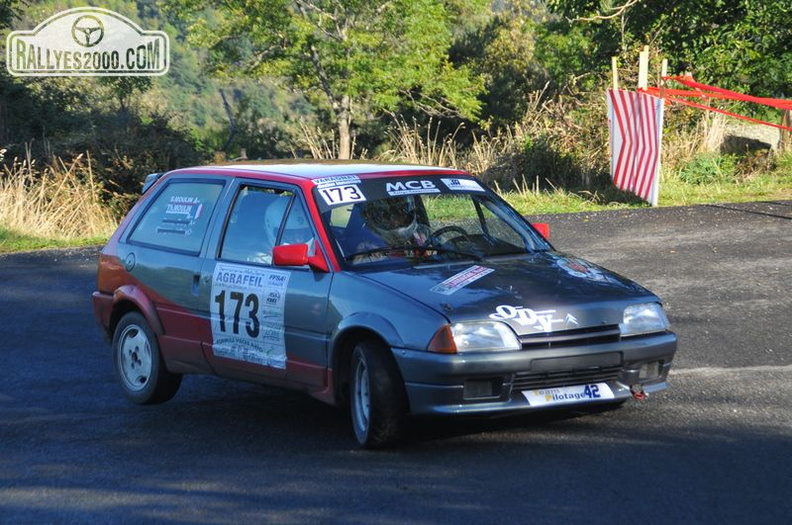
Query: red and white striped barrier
{"x": 636, "y": 130}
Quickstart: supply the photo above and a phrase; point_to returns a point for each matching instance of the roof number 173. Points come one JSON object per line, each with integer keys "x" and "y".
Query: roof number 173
{"x": 342, "y": 194}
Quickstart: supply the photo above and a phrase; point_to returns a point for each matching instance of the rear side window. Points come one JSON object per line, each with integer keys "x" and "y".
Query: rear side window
{"x": 179, "y": 216}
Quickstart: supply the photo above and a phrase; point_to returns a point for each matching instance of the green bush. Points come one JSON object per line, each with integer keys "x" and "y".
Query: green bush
{"x": 709, "y": 168}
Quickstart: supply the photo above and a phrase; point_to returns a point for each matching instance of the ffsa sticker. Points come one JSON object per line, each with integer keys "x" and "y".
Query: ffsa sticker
{"x": 583, "y": 269}
{"x": 247, "y": 311}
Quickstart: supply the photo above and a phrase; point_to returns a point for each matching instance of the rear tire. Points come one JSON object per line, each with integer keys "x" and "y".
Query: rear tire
{"x": 378, "y": 401}
{"x": 139, "y": 364}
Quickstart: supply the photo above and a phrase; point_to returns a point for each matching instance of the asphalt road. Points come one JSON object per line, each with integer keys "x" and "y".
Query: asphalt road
{"x": 714, "y": 448}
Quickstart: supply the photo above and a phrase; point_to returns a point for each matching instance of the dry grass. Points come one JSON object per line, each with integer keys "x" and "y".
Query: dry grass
{"x": 317, "y": 142}
{"x": 61, "y": 201}
{"x": 322, "y": 145}
{"x": 414, "y": 145}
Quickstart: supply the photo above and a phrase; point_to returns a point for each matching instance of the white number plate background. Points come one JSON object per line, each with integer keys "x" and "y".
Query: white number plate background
{"x": 568, "y": 394}
{"x": 342, "y": 194}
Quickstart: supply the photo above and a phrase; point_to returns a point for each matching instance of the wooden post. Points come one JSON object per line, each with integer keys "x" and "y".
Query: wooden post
{"x": 615, "y": 72}
{"x": 643, "y": 68}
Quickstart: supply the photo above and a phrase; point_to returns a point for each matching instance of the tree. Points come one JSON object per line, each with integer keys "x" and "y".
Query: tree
{"x": 745, "y": 45}
{"x": 352, "y": 57}
{"x": 8, "y": 11}
{"x": 123, "y": 88}
{"x": 521, "y": 51}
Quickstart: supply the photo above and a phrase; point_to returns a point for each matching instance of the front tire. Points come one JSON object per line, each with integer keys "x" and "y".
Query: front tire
{"x": 378, "y": 401}
{"x": 139, "y": 364}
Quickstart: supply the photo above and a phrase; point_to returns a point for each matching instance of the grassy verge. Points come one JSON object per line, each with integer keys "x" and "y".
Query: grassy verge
{"x": 673, "y": 192}
{"x": 16, "y": 242}
{"x": 59, "y": 208}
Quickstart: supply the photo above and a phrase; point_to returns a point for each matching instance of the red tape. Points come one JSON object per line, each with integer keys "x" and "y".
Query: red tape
{"x": 725, "y": 93}
{"x": 703, "y": 91}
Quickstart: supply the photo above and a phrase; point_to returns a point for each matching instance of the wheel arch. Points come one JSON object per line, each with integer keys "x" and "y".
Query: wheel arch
{"x": 356, "y": 328}
{"x": 128, "y": 299}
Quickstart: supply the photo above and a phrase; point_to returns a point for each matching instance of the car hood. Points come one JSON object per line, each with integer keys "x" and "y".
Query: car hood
{"x": 541, "y": 292}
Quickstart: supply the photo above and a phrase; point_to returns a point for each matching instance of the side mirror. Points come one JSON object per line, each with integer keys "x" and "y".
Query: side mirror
{"x": 297, "y": 255}
{"x": 543, "y": 228}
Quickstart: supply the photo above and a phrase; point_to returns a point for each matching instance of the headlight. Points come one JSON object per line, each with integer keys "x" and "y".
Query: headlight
{"x": 643, "y": 319}
{"x": 480, "y": 336}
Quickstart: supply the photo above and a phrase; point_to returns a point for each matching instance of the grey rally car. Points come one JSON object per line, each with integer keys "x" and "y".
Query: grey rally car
{"x": 393, "y": 290}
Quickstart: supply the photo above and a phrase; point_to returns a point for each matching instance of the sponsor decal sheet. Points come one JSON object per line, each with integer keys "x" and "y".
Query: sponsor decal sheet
{"x": 247, "y": 311}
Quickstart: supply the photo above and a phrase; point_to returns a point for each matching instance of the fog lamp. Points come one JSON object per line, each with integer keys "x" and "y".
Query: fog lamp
{"x": 475, "y": 388}
{"x": 649, "y": 370}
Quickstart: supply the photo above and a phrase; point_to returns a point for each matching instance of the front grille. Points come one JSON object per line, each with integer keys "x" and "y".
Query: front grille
{"x": 579, "y": 336}
{"x": 572, "y": 369}
{"x": 537, "y": 380}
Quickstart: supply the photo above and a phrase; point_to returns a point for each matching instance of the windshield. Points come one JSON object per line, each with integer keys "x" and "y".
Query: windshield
{"x": 426, "y": 219}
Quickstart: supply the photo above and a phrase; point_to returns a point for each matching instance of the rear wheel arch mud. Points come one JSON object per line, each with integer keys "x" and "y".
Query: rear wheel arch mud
{"x": 127, "y": 299}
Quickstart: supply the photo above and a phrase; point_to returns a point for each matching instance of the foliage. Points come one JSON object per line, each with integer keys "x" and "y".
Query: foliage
{"x": 745, "y": 45}
{"x": 124, "y": 88}
{"x": 522, "y": 50}
{"x": 709, "y": 168}
{"x": 352, "y": 58}
{"x": 512, "y": 93}
{"x": 784, "y": 166}
{"x": 502, "y": 53}
{"x": 8, "y": 10}
{"x": 136, "y": 125}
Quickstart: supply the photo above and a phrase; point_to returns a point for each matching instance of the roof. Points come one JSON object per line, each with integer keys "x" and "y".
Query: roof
{"x": 307, "y": 169}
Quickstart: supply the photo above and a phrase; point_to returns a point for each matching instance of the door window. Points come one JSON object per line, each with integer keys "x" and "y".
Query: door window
{"x": 261, "y": 219}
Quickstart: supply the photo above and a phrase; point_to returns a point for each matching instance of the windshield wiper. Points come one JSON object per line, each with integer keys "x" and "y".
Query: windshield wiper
{"x": 458, "y": 252}
{"x": 412, "y": 250}
{"x": 383, "y": 249}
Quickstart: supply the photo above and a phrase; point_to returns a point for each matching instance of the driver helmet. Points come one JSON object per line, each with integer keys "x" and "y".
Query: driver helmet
{"x": 394, "y": 219}
{"x": 273, "y": 218}
{"x": 296, "y": 229}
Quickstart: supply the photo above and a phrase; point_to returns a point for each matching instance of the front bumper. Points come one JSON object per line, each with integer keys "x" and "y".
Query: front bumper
{"x": 490, "y": 383}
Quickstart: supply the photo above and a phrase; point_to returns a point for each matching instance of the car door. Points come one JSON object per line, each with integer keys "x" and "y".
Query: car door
{"x": 265, "y": 322}
{"x": 162, "y": 254}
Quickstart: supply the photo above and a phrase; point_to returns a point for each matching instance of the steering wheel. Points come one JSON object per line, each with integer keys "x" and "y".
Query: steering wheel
{"x": 435, "y": 235}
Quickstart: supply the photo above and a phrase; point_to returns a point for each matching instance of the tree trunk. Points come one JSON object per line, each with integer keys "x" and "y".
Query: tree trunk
{"x": 344, "y": 116}
{"x": 344, "y": 140}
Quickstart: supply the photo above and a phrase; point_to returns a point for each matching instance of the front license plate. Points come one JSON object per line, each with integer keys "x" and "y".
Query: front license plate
{"x": 568, "y": 394}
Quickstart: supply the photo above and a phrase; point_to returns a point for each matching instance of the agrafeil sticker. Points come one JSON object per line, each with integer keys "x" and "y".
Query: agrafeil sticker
{"x": 247, "y": 311}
